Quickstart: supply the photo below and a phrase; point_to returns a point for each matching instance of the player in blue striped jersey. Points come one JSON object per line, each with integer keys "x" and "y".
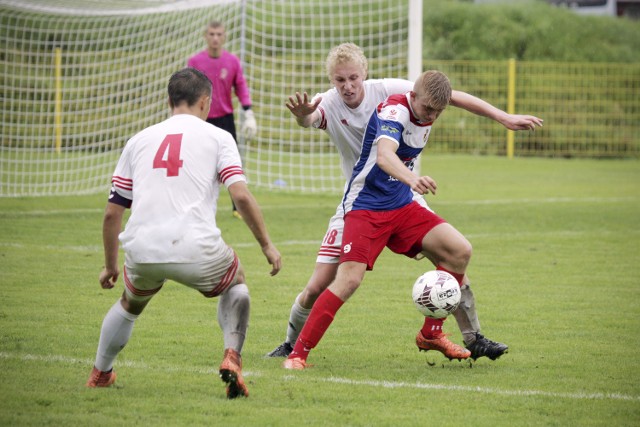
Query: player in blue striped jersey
{"x": 343, "y": 113}
{"x": 380, "y": 212}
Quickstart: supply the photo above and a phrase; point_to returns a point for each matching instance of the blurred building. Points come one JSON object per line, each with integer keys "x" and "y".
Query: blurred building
{"x": 626, "y": 8}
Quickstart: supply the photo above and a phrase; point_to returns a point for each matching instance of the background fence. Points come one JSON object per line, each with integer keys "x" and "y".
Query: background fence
{"x": 74, "y": 88}
{"x": 589, "y": 109}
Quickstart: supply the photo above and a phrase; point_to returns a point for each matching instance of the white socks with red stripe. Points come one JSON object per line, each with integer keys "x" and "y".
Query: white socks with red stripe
{"x": 233, "y": 316}
{"x": 114, "y": 335}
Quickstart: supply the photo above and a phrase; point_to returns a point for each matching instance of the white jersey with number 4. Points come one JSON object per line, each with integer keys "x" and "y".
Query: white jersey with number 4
{"x": 346, "y": 126}
{"x": 172, "y": 173}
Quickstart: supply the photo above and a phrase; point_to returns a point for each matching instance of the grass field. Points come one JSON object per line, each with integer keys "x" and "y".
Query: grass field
{"x": 555, "y": 273}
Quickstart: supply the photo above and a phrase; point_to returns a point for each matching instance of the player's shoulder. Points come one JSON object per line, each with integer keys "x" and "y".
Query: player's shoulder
{"x": 397, "y": 99}
{"x": 197, "y": 56}
{"x": 373, "y": 82}
{"x": 221, "y": 135}
{"x": 329, "y": 97}
{"x": 378, "y": 90}
{"x": 394, "y": 108}
{"x": 390, "y": 85}
{"x": 230, "y": 56}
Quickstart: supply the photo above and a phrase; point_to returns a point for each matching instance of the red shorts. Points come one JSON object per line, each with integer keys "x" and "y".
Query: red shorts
{"x": 366, "y": 233}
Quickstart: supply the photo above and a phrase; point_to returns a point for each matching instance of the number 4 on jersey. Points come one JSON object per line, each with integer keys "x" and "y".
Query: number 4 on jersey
{"x": 168, "y": 155}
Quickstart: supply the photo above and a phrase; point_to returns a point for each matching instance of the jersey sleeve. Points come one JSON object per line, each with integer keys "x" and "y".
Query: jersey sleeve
{"x": 240, "y": 85}
{"x": 229, "y": 162}
{"x": 397, "y": 86}
{"x": 122, "y": 180}
{"x": 322, "y": 109}
{"x": 391, "y": 119}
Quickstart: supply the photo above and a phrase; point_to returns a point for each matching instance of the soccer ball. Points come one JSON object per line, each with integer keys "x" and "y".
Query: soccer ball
{"x": 436, "y": 294}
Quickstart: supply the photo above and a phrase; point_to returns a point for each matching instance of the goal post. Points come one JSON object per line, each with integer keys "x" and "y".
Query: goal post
{"x": 66, "y": 116}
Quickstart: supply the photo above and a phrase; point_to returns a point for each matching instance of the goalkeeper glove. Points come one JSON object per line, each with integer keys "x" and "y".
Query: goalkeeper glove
{"x": 249, "y": 125}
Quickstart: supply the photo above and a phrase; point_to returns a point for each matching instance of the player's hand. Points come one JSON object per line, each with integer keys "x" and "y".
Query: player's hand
{"x": 274, "y": 258}
{"x": 249, "y": 125}
{"x": 108, "y": 278}
{"x": 522, "y": 122}
{"x": 424, "y": 185}
{"x": 300, "y": 105}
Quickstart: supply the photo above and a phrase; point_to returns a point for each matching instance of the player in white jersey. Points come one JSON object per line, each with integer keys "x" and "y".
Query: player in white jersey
{"x": 169, "y": 175}
{"x": 343, "y": 112}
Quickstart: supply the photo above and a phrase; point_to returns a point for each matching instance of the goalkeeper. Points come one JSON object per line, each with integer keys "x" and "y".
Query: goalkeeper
{"x": 343, "y": 112}
{"x": 225, "y": 72}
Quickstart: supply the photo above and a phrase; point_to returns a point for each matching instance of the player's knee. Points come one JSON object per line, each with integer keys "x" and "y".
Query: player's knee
{"x": 322, "y": 277}
{"x": 133, "y": 306}
{"x": 461, "y": 254}
{"x": 240, "y": 277}
{"x": 313, "y": 290}
{"x": 465, "y": 251}
{"x": 240, "y": 295}
{"x": 241, "y": 291}
{"x": 348, "y": 282}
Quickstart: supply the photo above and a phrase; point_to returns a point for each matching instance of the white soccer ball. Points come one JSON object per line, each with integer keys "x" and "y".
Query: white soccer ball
{"x": 436, "y": 294}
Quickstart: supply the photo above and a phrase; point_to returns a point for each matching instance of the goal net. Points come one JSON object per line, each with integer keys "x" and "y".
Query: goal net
{"x": 79, "y": 78}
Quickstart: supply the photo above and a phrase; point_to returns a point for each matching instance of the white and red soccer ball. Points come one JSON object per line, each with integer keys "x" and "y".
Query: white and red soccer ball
{"x": 436, "y": 294}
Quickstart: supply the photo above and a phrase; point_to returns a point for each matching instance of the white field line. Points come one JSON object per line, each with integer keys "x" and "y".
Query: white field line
{"x": 483, "y": 390}
{"x": 336, "y": 380}
{"x": 89, "y": 362}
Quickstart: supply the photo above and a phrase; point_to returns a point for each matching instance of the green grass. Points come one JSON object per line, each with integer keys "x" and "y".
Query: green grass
{"x": 554, "y": 270}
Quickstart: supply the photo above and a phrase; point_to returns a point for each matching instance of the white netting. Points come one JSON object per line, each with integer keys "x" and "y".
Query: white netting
{"x": 79, "y": 78}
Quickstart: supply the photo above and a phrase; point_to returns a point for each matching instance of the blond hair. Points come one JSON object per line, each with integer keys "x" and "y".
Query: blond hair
{"x": 436, "y": 86}
{"x": 346, "y": 53}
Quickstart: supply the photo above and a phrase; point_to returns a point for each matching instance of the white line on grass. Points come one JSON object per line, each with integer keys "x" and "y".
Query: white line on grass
{"x": 336, "y": 380}
{"x": 128, "y": 363}
{"x": 484, "y": 390}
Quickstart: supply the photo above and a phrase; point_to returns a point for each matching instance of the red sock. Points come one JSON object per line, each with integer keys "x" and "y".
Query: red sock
{"x": 320, "y": 318}
{"x": 432, "y": 328}
{"x": 458, "y": 276}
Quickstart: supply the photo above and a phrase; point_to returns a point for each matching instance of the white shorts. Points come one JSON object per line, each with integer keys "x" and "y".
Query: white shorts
{"x": 211, "y": 278}
{"x": 329, "y": 252}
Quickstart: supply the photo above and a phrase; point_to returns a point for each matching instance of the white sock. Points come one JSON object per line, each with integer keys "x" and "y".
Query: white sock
{"x": 114, "y": 335}
{"x": 467, "y": 316}
{"x": 297, "y": 319}
{"x": 233, "y": 316}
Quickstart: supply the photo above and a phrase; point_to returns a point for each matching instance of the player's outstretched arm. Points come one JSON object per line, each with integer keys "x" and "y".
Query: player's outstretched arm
{"x": 481, "y": 107}
{"x": 520, "y": 121}
{"x": 111, "y": 227}
{"x": 389, "y": 162}
{"x": 252, "y": 215}
{"x": 304, "y": 111}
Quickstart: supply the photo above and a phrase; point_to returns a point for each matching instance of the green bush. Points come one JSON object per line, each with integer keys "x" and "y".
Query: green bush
{"x": 525, "y": 30}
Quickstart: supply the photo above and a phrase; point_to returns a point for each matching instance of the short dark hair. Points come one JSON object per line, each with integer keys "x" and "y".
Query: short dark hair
{"x": 187, "y": 86}
{"x": 215, "y": 24}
